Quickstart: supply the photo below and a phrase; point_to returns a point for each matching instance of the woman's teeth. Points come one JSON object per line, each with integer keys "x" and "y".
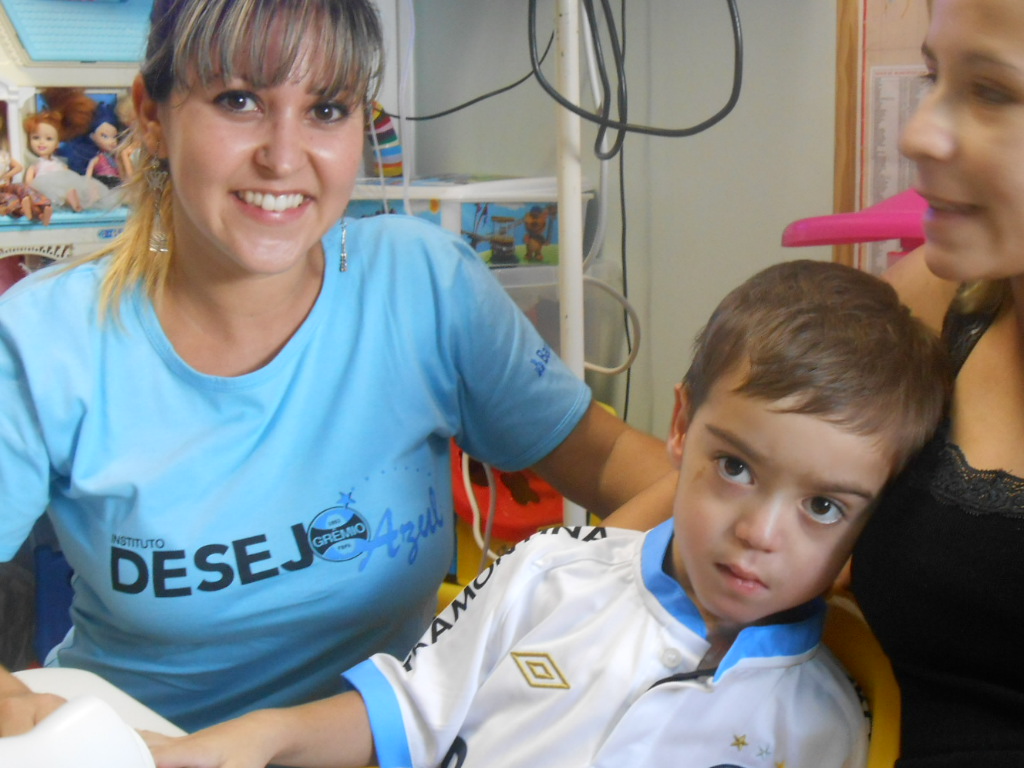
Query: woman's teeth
{"x": 269, "y": 202}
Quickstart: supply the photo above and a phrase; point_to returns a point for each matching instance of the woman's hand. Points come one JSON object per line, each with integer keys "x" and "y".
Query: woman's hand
{"x": 21, "y": 709}
{"x": 235, "y": 744}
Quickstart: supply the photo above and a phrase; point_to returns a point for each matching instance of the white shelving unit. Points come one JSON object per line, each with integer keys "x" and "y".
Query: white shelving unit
{"x": 22, "y": 76}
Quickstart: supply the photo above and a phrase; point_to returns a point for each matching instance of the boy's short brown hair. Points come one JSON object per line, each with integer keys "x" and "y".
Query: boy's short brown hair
{"x": 835, "y": 339}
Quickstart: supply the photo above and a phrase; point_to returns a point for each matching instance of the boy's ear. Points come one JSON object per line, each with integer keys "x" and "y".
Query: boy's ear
{"x": 680, "y": 422}
{"x": 149, "y": 128}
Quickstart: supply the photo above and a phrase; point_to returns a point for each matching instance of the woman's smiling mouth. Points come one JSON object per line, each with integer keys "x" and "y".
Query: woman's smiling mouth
{"x": 271, "y": 202}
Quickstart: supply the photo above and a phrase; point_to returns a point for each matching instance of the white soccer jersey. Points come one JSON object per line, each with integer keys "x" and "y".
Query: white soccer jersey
{"x": 579, "y": 650}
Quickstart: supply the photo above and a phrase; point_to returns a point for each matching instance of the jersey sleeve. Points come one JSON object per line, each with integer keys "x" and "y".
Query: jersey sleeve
{"x": 418, "y": 705}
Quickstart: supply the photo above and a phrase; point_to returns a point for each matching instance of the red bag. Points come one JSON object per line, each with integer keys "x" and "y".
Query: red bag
{"x": 525, "y": 501}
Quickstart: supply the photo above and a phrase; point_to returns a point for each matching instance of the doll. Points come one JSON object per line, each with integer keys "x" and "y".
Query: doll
{"x": 105, "y": 165}
{"x": 77, "y": 119}
{"x": 51, "y": 176}
{"x": 19, "y": 199}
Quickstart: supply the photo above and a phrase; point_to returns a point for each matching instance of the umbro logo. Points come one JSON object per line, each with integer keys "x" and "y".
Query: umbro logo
{"x": 540, "y": 670}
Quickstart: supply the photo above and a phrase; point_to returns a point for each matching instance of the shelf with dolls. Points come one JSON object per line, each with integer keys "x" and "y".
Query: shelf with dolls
{"x": 60, "y": 86}
{"x": 62, "y": 198}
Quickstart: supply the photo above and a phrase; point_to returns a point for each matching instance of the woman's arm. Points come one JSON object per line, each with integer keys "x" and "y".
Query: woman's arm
{"x": 330, "y": 733}
{"x": 14, "y": 169}
{"x": 604, "y": 463}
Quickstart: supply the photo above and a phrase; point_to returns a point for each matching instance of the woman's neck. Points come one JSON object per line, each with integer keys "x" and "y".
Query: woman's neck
{"x": 229, "y": 326}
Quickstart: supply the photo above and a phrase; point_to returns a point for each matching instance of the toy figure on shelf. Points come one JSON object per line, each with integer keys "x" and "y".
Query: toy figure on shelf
{"x": 77, "y": 119}
{"x": 51, "y": 176}
{"x": 19, "y": 199}
{"x": 538, "y": 231}
{"x": 382, "y": 139}
{"x": 104, "y": 166}
{"x": 9, "y": 167}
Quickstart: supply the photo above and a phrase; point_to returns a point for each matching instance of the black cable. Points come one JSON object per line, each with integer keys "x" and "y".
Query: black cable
{"x": 602, "y": 69}
{"x": 623, "y": 263}
{"x": 623, "y": 125}
{"x": 685, "y": 677}
{"x": 484, "y": 96}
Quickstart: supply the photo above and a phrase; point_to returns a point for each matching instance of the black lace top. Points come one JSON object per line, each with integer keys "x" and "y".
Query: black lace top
{"x": 939, "y": 573}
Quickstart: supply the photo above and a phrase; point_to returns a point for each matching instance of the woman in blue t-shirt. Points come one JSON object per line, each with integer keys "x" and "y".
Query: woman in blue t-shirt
{"x": 239, "y": 415}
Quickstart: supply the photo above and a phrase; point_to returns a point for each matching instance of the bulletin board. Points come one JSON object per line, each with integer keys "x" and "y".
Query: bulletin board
{"x": 878, "y": 85}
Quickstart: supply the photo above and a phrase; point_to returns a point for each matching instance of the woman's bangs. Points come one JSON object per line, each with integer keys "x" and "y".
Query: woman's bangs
{"x": 268, "y": 44}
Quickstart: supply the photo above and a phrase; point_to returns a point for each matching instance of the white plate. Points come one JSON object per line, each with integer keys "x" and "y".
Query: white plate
{"x": 74, "y": 683}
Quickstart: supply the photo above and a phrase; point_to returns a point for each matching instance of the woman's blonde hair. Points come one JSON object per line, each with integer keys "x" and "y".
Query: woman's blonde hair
{"x": 200, "y": 42}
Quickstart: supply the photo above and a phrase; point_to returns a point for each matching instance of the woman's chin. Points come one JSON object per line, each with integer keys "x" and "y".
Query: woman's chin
{"x": 963, "y": 265}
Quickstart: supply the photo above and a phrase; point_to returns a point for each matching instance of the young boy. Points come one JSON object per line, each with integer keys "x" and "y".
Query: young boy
{"x": 698, "y": 643}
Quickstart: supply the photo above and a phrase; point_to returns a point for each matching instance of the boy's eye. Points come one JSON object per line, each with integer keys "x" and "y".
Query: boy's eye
{"x": 237, "y": 101}
{"x": 734, "y": 470}
{"x": 824, "y": 510}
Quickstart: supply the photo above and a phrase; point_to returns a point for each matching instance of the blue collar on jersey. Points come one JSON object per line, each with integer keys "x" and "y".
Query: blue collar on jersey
{"x": 764, "y": 641}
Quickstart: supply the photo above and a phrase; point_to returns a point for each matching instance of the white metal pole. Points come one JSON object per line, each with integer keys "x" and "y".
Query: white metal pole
{"x": 570, "y": 207}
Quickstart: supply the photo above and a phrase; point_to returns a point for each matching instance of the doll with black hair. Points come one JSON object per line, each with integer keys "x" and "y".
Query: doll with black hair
{"x": 105, "y": 166}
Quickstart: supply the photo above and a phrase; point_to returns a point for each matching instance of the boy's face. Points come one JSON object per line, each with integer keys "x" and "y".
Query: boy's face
{"x": 768, "y": 504}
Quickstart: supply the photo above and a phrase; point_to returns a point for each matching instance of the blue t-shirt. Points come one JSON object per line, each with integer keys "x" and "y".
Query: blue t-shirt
{"x": 239, "y": 541}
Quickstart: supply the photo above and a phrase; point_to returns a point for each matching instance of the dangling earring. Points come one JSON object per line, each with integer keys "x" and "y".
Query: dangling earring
{"x": 344, "y": 248}
{"x": 156, "y": 178}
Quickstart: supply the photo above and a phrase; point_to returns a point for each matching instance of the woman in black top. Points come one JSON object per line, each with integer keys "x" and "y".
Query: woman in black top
{"x": 939, "y": 572}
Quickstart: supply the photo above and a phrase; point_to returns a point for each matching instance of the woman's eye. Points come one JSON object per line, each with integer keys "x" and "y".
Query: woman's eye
{"x": 330, "y": 112}
{"x": 992, "y": 94}
{"x": 824, "y": 510}
{"x": 237, "y": 101}
{"x": 734, "y": 470}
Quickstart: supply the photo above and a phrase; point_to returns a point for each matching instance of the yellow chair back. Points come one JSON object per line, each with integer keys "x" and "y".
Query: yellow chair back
{"x": 851, "y": 640}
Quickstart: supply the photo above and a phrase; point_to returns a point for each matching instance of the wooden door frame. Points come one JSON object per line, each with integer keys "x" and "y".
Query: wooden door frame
{"x": 844, "y": 194}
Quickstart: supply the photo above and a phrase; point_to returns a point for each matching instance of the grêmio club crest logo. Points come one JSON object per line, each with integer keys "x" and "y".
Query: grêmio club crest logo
{"x": 339, "y": 533}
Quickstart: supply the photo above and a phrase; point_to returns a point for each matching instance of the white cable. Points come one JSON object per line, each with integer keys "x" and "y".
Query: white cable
{"x": 605, "y": 165}
{"x": 379, "y": 161}
{"x": 482, "y": 541}
{"x": 602, "y": 217}
{"x": 634, "y": 321}
{"x": 404, "y": 68}
{"x": 405, "y": 106}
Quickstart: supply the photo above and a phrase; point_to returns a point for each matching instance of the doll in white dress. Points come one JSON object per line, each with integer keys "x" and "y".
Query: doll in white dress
{"x": 51, "y": 176}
